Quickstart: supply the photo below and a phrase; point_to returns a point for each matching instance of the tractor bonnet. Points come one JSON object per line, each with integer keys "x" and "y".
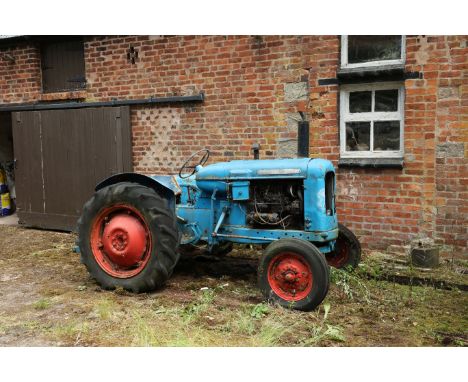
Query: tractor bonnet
{"x": 266, "y": 169}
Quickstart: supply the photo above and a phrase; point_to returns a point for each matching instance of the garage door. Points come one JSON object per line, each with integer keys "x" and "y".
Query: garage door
{"x": 61, "y": 155}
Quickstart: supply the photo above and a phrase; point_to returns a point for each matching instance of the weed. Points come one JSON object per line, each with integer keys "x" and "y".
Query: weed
{"x": 326, "y": 309}
{"x": 370, "y": 268}
{"x": 259, "y": 310}
{"x": 42, "y": 303}
{"x": 207, "y": 297}
{"x": 320, "y": 333}
{"x": 197, "y": 307}
{"x": 334, "y": 333}
{"x": 343, "y": 284}
{"x": 323, "y": 331}
{"x": 349, "y": 284}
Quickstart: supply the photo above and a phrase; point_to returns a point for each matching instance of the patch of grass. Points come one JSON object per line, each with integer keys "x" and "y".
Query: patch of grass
{"x": 6, "y": 322}
{"x": 32, "y": 325}
{"x": 143, "y": 334}
{"x": 42, "y": 304}
{"x": 145, "y": 331}
{"x": 272, "y": 331}
{"x": 72, "y": 332}
{"x": 105, "y": 309}
{"x": 243, "y": 324}
{"x": 192, "y": 336}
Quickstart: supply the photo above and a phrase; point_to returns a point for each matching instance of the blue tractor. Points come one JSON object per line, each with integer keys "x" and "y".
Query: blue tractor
{"x": 133, "y": 229}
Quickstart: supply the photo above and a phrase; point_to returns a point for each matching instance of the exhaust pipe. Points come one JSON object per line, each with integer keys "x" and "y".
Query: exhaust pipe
{"x": 303, "y": 138}
{"x": 256, "y": 151}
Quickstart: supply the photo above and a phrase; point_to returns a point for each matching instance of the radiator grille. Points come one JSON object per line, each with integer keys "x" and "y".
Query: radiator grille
{"x": 330, "y": 193}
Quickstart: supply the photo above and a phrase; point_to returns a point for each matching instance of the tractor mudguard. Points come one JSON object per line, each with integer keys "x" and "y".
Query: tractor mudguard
{"x": 163, "y": 184}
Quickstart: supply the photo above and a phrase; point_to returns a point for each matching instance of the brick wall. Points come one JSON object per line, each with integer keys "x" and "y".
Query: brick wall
{"x": 20, "y": 81}
{"x": 447, "y": 66}
{"x": 255, "y": 87}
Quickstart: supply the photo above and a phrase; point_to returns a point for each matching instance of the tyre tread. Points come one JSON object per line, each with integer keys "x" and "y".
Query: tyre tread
{"x": 161, "y": 220}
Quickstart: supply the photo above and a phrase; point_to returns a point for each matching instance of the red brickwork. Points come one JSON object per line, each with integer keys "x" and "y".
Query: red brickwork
{"x": 255, "y": 87}
{"x": 20, "y": 79}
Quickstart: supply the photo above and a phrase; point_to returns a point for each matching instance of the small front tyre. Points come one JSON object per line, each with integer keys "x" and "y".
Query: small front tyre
{"x": 294, "y": 274}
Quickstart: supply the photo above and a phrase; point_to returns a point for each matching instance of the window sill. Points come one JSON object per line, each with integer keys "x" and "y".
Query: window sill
{"x": 370, "y": 74}
{"x": 395, "y": 72}
{"x": 371, "y": 162}
{"x": 70, "y": 95}
{"x": 376, "y": 69}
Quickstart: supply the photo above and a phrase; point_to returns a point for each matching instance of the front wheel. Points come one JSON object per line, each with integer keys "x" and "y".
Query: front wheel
{"x": 128, "y": 237}
{"x": 347, "y": 253}
{"x": 294, "y": 274}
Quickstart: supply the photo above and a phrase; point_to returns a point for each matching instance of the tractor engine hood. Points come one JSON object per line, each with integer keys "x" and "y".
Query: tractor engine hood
{"x": 265, "y": 169}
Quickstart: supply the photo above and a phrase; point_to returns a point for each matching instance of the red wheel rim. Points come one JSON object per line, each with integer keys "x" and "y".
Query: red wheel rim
{"x": 341, "y": 254}
{"x": 290, "y": 276}
{"x": 121, "y": 241}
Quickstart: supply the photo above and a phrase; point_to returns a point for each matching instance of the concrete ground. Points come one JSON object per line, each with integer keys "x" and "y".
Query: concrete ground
{"x": 9, "y": 220}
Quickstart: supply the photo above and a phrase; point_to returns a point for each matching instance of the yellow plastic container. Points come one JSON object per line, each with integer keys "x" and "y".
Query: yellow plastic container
{"x": 3, "y": 182}
{"x": 6, "y": 204}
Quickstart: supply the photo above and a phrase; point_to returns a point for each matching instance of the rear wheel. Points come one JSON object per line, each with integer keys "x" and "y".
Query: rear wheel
{"x": 128, "y": 237}
{"x": 347, "y": 253}
{"x": 294, "y": 273}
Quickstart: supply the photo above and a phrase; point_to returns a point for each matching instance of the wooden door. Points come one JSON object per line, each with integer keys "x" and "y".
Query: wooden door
{"x": 61, "y": 155}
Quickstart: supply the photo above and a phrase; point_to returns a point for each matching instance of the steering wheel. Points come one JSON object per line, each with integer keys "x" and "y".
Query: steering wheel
{"x": 201, "y": 162}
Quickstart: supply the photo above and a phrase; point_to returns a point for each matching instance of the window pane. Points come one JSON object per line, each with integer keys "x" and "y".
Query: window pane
{"x": 357, "y": 136}
{"x": 373, "y": 48}
{"x": 360, "y": 102}
{"x": 386, "y": 100}
{"x": 387, "y": 135}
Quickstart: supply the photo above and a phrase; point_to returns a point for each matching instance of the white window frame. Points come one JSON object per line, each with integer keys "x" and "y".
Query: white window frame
{"x": 346, "y": 65}
{"x": 345, "y": 116}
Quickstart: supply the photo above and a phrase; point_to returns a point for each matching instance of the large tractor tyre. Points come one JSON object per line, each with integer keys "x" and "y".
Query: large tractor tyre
{"x": 128, "y": 237}
{"x": 347, "y": 253}
{"x": 294, "y": 273}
